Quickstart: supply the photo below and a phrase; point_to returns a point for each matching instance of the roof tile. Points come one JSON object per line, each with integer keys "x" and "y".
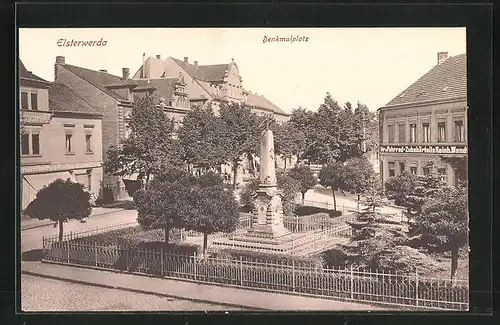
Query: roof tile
{"x": 63, "y": 99}
{"x": 445, "y": 81}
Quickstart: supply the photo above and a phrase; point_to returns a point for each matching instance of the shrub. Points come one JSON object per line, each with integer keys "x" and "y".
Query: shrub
{"x": 270, "y": 258}
{"x": 335, "y": 213}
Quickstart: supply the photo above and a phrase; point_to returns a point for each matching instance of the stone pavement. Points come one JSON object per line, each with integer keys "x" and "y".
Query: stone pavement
{"x": 29, "y": 223}
{"x": 228, "y": 296}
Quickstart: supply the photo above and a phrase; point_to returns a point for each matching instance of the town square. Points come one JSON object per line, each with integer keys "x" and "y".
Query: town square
{"x": 243, "y": 176}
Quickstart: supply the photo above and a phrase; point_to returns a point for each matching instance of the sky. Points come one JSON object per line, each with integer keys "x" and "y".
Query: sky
{"x": 370, "y": 65}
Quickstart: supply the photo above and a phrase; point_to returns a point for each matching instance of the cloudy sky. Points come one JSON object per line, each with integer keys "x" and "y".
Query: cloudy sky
{"x": 371, "y": 65}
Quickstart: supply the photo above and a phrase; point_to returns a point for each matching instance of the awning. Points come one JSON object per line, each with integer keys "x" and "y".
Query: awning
{"x": 36, "y": 182}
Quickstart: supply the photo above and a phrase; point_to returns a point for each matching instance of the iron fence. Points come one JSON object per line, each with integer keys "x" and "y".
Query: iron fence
{"x": 351, "y": 284}
{"x": 86, "y": 233}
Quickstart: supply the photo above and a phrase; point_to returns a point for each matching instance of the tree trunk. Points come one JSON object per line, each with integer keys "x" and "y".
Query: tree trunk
{"x": 205, "y": 240}
{"x": 60, "y": 231}
{"x": 303, "y": 197}
{"x": 147, "y": 181}
{"x": 334, "y": 200}
{"x": 454, "y": 262}
{"x": 358, "y": 202}
{"x": 284, "y": 167}
{"x": 167, "y": 233}
{"x": 235, "y": 173}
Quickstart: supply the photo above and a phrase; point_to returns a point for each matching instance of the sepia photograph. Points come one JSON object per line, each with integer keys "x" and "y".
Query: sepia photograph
{"x": 243, "y": 169}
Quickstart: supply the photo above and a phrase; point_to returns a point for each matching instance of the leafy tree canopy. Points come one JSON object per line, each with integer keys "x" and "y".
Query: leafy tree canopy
{"x": 305, "y": 176}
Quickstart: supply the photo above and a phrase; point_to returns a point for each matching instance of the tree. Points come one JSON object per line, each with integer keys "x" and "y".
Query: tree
{"x": 289, "y": 187}
{"x": 306, "y": 178}
{"x": 202, "y": 139}
{"x": 60, "y": 201}
{"x": 400, "y": 186}
{"x": 289, "y": 141}
{"x": 459, "y": 164}
{"x": 164, "y": 203}
{"x": 240, "y": 129}
{"x": 211, "y": 208}
{"x": 330, "y": 175}
{"x": 444, "y": 221}
{"x": 150, "y": 147}
{"x": 358, "y": 176}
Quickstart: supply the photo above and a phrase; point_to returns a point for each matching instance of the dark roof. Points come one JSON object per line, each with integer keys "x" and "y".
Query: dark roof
{"x": 24, "y": 73}
{"x": 445, "y": 81}
{"x": 63, "y": 99}
{"x": 262, "y": 102}
{"x": 99, "y": 79}
{"x": 214, "y": 72}
{"x": 164, "y": 87}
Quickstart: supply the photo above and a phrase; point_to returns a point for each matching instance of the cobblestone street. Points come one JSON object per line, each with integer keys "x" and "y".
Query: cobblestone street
{"x": 41, "y": 294}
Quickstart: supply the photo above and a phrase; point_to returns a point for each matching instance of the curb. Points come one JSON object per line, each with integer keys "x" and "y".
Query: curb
{"x": 137, "y": 291}
{"x": 51, "y": 223}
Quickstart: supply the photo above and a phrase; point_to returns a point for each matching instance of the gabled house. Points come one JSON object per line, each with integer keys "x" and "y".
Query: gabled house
{"x": 60, "y": 137}
{"x": 113, "y": 96}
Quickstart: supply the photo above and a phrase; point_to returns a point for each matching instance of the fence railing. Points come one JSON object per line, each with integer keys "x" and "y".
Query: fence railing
{"x": 86, "y": 233}
{"x": 350, "y": 284}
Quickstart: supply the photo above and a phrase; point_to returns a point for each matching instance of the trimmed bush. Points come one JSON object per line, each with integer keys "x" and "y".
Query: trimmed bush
{"x": 270, "y": 258}
{"x": 335, "y": 213}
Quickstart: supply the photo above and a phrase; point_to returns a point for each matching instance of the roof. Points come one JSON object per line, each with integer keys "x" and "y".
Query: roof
{"x": 214, "y": 72}
{"x": 63, "y": 99}
{"x": 445, "y": 81}
{"x": 164, "y": 87}
{"x": 262, "y": 102}
{"x": 99, "y": 79}
{"x": 24, "y": 73}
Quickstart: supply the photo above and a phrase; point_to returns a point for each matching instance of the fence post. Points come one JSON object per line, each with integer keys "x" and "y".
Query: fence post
{"x": 195, "y": 265}
{"x": 67, "y": 248}
{"x": 416, "y": 287}
{"x": 43, "y": 247}
{"x": 161, "y": 260}
{"x": 352, "y": 284}
{"x": 95, "y": 251}
{"x": 293, "y": 275}
{"x": 241, "y": 270}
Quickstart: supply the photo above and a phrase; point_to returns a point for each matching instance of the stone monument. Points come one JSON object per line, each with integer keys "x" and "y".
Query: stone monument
{"x": 268, "y": 209}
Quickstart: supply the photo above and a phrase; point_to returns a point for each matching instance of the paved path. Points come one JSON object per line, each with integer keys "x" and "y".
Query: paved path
{"x": 202, "y": 293}
{"x": 42, "y": 294}
{"x": 32, "y": 238}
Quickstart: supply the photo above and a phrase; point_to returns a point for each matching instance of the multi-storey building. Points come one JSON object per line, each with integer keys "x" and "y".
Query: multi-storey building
{"x": 427, "y": 121}
{"x": 210, "y": 85}
{"x": 60, "y": 137}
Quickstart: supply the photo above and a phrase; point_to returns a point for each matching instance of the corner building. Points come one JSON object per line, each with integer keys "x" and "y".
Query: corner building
{"x": 426, "y": 121}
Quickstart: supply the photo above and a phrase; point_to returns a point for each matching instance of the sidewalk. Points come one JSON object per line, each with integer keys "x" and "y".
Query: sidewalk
{"x": 30, "y": 223}
{"x": 228, "y": 296}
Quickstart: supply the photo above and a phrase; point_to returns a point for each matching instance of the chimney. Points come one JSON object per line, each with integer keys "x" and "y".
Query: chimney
{"x": 103, "y": 70}
{"x": 125, "y": 74}
{"x": 158, "y": 56}
{"x": 186, "y": 60}
{"x": 60, "y": 60}
{"x": 442, "y": 56}
{"x": 196, "y": 64}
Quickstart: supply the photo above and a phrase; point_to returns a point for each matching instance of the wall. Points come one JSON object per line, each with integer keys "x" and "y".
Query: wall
{"x": 105, "y": 104}
{"x": 193, "y": 88}
{"x": 42, "y": 96}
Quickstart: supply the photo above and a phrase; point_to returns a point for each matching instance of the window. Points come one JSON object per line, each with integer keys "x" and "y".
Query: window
{"x": 88, "y": 142}
{"x": 34, "y": 101}
{"x": 24, "y": 100}
{"x": 442, "y": 174}
{"x": 392, "y": 171}
{"x": 401, "y": 167}
{"x": 25, "y": 144}
{"x": 413, "y": 133}
{"x": 30, "y": 143}
{"x": 426, "y": 132}
{"x": 401, "y": 135}
{"x": 413, "y": 170}
{"x": 390, "y": 132}
{"x": 89, "y": 179}
{"x": 459, "y": 131}
{"x": 441, "y": 132}
{"x": 35, "y": 144}
{"x": 68, "y": 143}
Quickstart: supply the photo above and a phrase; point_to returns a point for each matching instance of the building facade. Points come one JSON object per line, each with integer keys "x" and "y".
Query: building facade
{"x": 210, "y": 85}
{"x": 60, "y": 137}
{"x": 427, "y": 122}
